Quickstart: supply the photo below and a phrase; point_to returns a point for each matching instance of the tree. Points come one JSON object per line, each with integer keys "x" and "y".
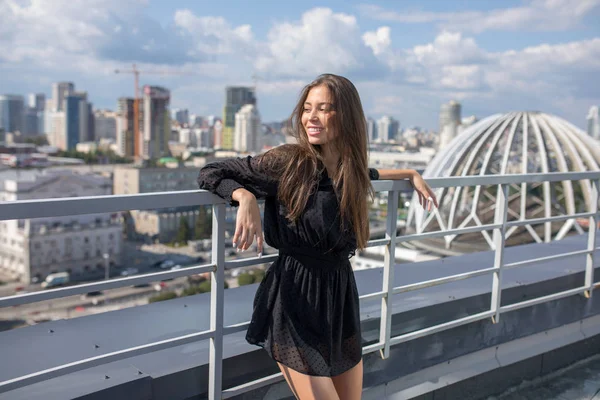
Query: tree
{"x": 245, "y": 279}
{"x": 205, "y": 286}
{"x": 259, "y": 275}
{"x": 183, "y": 234}
{"x": 162, "y": 296}
{"x": 202, "y": 228}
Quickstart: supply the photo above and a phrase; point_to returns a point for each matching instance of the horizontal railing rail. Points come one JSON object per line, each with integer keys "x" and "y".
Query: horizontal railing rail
{"x": 118, "y": 203}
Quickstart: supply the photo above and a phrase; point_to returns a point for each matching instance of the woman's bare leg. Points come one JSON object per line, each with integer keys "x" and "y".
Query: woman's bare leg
{"x": 306, "y": 387}
{"x": 349, "y": 384}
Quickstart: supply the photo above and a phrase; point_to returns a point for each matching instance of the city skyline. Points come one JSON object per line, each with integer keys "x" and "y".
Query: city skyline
{"x": 541, "y": 58}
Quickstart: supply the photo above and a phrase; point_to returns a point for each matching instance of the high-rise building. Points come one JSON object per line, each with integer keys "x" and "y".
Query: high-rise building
{"x": 91, "y": 126}
{"x": 387, "y": 128}
{"x": 181, "y": 115}
{"x": 105, "y": 125}
{"x": 54, "y": 128}
{"x": 196, "y": 121}
{"x": 12, "y": 113}
{"x": 246, "y": 136}
{"x": 157, "y": 126}
{"x": 450, "y": 114}
{"x": 74, "y": 114}
{"x": 217, "y": 128}
{"x": 371, "y": 129}
{"x": 84, "y": 116}
{"x": 34, "y": 114}
{"x": 125, "y": 128}
{"x": 37, "y": 101}
{"x": 593, "y": 120}
{"x": 235, "y": 98}
{"x": 30, "y": 122}
{"x": 60, "y": 90}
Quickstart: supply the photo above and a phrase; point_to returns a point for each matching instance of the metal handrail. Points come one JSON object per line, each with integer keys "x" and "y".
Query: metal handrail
{"x": 102, "y": 204}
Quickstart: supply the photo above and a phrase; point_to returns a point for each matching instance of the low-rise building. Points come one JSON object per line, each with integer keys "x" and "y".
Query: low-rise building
{"x": 30, "y": 249}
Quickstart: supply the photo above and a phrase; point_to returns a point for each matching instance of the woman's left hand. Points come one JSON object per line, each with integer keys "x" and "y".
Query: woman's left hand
{"x": 426, "y": 195}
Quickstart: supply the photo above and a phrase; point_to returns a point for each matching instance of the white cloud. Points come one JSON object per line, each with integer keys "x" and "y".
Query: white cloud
{"x": 538, "y": 15}
{"x": 214, "y": 35}
{"x": 322, "y": 41}
{"x": 85, "y": 41}
{"x": 448, "y": 48}
{"x": 379, "y": 40}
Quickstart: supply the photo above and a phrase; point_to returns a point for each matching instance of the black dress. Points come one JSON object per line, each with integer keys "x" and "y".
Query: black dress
{"x": 306, "y": 309}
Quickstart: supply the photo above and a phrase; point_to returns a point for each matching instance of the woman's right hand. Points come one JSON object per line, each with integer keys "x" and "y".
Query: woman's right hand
{"x": 248, "y": 223}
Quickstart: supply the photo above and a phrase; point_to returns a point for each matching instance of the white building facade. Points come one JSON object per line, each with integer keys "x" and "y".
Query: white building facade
{"x": 387, "y": 129}
{"x": 30, "y": 249}
{"x": 246, "y": 136}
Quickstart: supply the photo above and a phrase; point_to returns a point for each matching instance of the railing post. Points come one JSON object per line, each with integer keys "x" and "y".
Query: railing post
{"x": 589, "y": 265}
{"x": 217, "y": 287}
{"x": 499, "y": 240}
{"x": 385, "y": 328}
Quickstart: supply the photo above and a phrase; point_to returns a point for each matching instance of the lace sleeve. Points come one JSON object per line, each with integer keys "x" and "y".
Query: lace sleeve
{"x": 224, "y": 177}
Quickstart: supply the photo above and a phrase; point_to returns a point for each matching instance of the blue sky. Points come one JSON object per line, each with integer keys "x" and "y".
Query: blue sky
{"x": 405, "y": 57}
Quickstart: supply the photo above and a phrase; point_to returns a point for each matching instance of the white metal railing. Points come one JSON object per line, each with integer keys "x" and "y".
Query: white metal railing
{"x": 101, "y": 204}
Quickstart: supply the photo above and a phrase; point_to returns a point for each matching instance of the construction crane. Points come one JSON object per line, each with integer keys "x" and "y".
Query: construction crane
{"x": 137, "y": 140}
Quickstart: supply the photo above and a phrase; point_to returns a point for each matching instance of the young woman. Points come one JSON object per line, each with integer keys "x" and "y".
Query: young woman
{"x": 306, "y": 309}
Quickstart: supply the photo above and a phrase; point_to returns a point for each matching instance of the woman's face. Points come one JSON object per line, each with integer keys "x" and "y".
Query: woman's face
{"x": 317, "y": 116}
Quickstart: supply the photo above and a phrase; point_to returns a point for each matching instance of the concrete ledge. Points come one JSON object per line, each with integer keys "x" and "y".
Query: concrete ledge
{"x": 181, "y": 372}
{"x": 511, "y": 363}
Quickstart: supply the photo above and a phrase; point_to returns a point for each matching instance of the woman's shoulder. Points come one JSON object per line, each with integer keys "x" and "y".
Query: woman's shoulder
{"x": 279, "y": 156}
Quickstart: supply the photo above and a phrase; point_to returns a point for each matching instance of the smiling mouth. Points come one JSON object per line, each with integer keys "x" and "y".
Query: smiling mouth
{"x": 314, "y": 131}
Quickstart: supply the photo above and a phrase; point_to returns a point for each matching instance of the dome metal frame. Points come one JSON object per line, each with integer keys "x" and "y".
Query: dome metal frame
{"x": 512, "y": 143}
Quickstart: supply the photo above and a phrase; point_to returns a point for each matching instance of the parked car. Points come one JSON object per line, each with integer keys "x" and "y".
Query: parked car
{"x": 56, "y": 279}
{"x": 167, "y": 264}
{"x": 129, "y": 271}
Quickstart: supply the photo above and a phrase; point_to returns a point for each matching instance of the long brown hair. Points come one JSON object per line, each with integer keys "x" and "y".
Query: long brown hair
{"x": 304, "y": 163}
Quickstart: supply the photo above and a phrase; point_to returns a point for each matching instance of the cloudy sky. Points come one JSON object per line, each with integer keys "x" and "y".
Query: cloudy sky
{"x": 405, "y": 57}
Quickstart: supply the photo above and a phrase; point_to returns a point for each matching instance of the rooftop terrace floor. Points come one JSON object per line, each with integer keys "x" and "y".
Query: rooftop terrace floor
{"x": 580, "y": 381}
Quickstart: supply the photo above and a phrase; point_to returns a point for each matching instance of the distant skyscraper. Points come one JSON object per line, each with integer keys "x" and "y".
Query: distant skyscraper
{"x": 196, "y": 121}
{"x": 450, "y": 114}
{"x": 246, "y": 136}
{"x": 37, "y": 101}
{"x": 387, "y": 128}
{"x": 157, "y": 127}
{"x": 75, "y": 113}
{"x": 105, "y": 125}
{"x": 12, "y": 113}
{"x": 371, "y": 129}
{"x": 30, "y": 122}
{"x": 235, "y": 98}
{"x": 60, "y": 90}
{"x": 217, "y": 129}
{"x": 125, "y": 142}
{"x": 34, "y": 114}
{"x": 181, "y": 115}
{"x": 593, "y": 120}
{"x": 84, "y": 117}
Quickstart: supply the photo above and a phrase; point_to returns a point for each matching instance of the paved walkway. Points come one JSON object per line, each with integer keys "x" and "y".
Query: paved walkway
{"x": 580, "y": 381}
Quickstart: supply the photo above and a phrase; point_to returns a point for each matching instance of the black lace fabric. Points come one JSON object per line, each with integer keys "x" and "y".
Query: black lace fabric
{"x": 306, "y": 309}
